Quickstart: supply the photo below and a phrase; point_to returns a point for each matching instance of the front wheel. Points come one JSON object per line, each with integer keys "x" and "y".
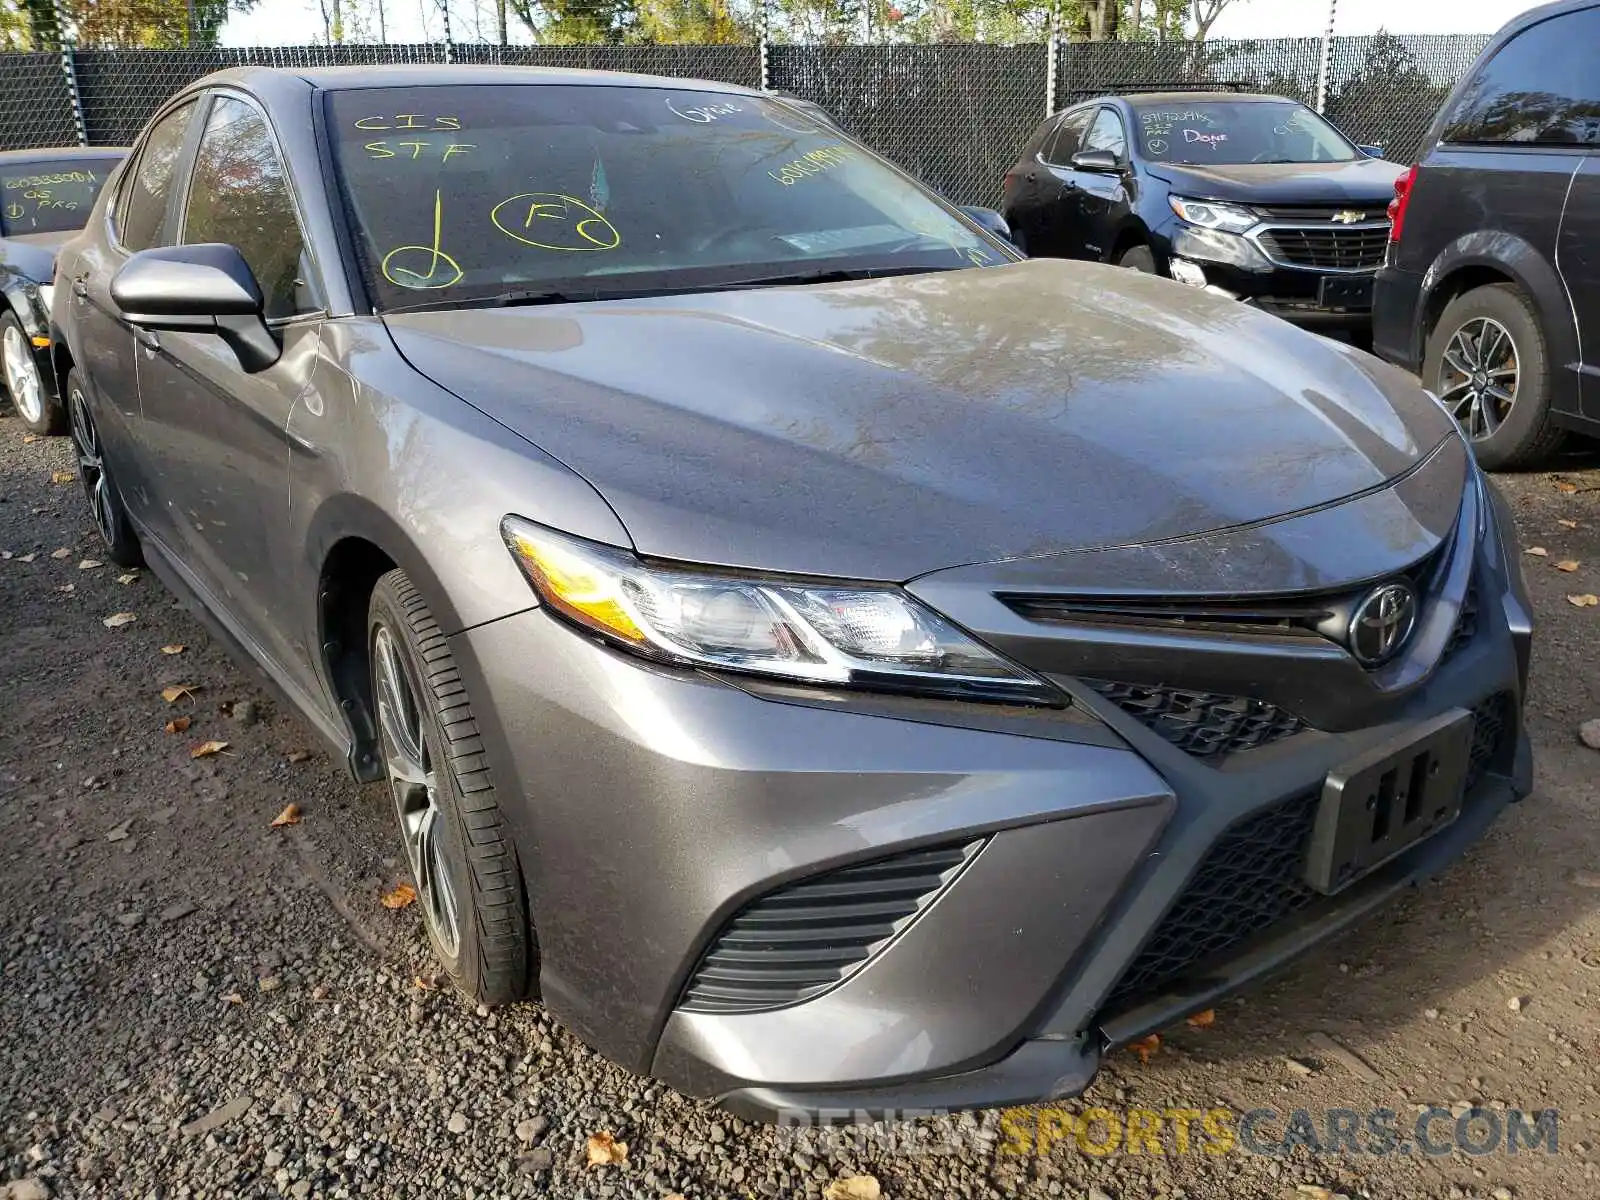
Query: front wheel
{"x": 31, "y": 391}
{"x": 105, "y": 501}
{"x": 457, "y": 842}
{"x": 1488, "y": 364}
{"x": 1138, "y": 258}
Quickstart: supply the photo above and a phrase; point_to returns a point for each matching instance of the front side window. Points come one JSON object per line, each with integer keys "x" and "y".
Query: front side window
{"x": 239, "y": 195}
{"x": 1068, "y": 136}
{"x": 1229, "y": 133}
{"x": 1541, "y": 88}
{"x": 142, "y": 205}
{"x": 465, "y": 194}
{"x": 50, "y": 195}
{"x": 1106, "y": 134}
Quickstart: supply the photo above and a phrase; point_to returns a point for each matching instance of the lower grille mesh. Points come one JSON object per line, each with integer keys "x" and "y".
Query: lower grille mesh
{"x": 1251, "y": 879}
{"x": 1202, "y": 724}
{"x": 802, "y": 939}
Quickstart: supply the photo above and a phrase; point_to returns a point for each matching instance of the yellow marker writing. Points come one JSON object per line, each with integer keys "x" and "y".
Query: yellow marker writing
{"x": 560, "y": 222}
{"x": 442, "y": 269}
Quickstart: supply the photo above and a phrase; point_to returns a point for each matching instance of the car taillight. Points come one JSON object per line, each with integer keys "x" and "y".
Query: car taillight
{"x": 1402, "y": 197}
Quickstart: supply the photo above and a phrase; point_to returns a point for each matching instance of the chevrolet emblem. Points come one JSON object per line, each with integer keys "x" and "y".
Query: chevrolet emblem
{"x": 1349, "y": 216}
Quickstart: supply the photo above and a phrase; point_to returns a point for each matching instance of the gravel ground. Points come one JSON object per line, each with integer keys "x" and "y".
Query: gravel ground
{"x": 194, "y": 1003}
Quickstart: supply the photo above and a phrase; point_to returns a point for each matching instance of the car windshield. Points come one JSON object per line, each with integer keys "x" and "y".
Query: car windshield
{"x": 1255, "y": 131}
{"x": 549, "y": 191}
{"x": 44, "y": 195}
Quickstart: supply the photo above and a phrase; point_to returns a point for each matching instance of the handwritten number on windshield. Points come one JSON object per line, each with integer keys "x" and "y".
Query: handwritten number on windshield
{"x": 554, "y": 221}
{"x": 402, "y": 265}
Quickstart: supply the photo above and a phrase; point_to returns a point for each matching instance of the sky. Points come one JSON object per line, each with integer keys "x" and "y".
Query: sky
{"x": 298, "y": 22}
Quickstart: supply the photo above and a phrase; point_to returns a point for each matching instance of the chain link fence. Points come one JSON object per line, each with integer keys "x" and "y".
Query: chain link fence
{"x": 953, "y": 113}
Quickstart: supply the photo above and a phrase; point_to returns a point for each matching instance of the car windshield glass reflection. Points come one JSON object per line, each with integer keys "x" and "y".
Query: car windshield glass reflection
{"x": 462, "y": 194}
{"x": 49, "y": 196}
{"x": 1230, "y": 134}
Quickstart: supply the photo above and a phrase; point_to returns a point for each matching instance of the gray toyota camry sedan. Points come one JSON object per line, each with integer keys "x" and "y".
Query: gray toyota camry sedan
{"x": 832, "y": 663}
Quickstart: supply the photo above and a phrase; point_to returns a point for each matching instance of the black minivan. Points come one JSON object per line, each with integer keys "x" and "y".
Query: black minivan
{"x": 1491, "y": 288}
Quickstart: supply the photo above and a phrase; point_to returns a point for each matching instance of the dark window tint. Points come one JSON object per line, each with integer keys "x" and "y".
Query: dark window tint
{"x": 1106, "y": 134}
{"x": 50, "y": 195}
{"x": 142, "y": 205}
{"x": 240, "y": 196}
{"x": 1060, "y": 148}
{"x": 1542, "y": 87}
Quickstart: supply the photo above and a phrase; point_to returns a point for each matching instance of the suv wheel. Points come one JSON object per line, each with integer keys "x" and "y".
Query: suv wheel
{"x": 457, "y": 843}
{"x": 105, "y": 501}
{"x": 1488, "y": 364}
{"x": 30, "y": 392}
{"x": 1138, "y": 258}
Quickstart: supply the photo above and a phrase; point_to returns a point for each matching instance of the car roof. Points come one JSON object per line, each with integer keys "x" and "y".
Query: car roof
{"x": 42, "y": 153}
{"x": 1197, "y": 97}
{"x": 266, "y": 81}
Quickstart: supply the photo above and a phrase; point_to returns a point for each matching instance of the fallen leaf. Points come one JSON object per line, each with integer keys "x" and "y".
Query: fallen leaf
{"x": 178, "y": 724}
{"x": 1313, "y": 1191}
{"x": 67, "y": 587}
{"x": 116, "y": 619}
{"x": 853, "y": 1187}
{"x": 1145, "y": 1047}
{"x": 90, "y": 564}
{"x": 604, "y": 1150}
{"x": 1587, "y": 600}
{"x": 1536, "y": 551}
{"x": 234, "y": 998}
{"x": 289, "y": 816}
{"x": 178, "y": 691}
{"x": 1566, "y": 524}
{"x": 172, "y": 649}
{"x": 1567, "y": 488}
{"x": 29, "y": 438}
{"x": 207, "y": 749}
{"x": 1203, "y": 1020}
{"x": 28, "y": 557}
{"x": 62, "y": 476}
{"x": 422, "y": 983}
{"x": 128, "y": 578}
{"x": 299, "y": 756}
{"x": 64, "y": 552}
{"x": 403, "y": 895}
{"x": 1567, "y": 564}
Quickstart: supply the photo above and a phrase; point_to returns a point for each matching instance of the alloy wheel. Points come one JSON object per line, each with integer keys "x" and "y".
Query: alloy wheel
{"x": 91, "y": 466}
{"x": 22, "y": 375}
{"x": 414, "y": 782}
{"x": 1478, "y": 376}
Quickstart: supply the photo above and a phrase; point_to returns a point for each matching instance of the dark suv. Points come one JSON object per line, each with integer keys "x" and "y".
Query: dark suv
{"x": 1492, "y": 286}
{"x": 1255, "y": 197}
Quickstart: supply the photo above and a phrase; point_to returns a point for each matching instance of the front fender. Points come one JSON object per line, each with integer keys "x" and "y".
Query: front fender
{"x": 1513, "y": 256}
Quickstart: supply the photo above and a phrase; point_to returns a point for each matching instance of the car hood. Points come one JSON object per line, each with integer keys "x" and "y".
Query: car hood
{"x": 886, "y": 428}
{"x": 1366, "y": 181}
{"x": 32, "y": 255}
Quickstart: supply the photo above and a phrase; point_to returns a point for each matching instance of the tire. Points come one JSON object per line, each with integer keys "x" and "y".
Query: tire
{"x": 99, "y": 485}
{"x": 1495, "y": 330}
{"x": 31, "y": 391}
{"x": 1138, "y": 258}
{"x": 456, "y": 839}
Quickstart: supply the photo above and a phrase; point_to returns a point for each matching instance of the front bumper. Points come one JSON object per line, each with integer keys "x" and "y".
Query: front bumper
{"x": 661, "y": 805}
{"x": 1236, "y": 265}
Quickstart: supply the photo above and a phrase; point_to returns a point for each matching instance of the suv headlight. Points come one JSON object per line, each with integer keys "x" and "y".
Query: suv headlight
{"x": 1213, "y": 214}
{"x": 860, "y": 636}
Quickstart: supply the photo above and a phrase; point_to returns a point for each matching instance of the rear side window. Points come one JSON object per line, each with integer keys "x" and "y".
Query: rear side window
{"x": 1541, "y": 88}
{"x": 239, "y": 195}
{"x": 142, "y": 204}
{"x": 1060, "y": 148}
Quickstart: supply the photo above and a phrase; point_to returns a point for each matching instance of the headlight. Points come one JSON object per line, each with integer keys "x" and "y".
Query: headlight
{"x": 47, "y": 295}
{"x": 875, "y": 637}
{"x": 1211, "y": 214}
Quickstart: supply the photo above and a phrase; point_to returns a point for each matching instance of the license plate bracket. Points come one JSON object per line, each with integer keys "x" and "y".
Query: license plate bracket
{"x": 1388, "y": 799}
{"x": 1345, "y": 291}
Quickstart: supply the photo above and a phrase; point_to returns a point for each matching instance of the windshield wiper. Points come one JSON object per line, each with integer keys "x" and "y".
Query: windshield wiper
{"x": 834, "y": 275}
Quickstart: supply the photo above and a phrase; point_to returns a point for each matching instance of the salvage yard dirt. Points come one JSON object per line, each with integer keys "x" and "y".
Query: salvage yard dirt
{"x": 211, "y": 983}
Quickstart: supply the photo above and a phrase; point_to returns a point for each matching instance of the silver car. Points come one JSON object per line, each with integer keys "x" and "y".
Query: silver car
{"x": 832, "y": 663}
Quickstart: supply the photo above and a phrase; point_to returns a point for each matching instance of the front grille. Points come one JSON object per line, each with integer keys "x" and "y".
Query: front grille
{"x": 1335, "y": 248}
{"x": 1202, "y": 724}
{"x": 1321, "y": 214}
{"x": 802, "y": 939}
{"x": 1252, "y": 877}
{"x": 1466, "y": 627}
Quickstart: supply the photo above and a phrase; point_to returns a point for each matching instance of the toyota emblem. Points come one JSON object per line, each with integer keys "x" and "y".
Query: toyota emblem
{"x": 1382, "y": 622}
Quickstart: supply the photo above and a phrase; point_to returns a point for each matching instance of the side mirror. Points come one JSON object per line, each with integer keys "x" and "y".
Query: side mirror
{"x": 205, "y": 288}
{"x": 1101, "y": 161}
{"x": 1371, "y": 151}
{"x": 990, "y": 220}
